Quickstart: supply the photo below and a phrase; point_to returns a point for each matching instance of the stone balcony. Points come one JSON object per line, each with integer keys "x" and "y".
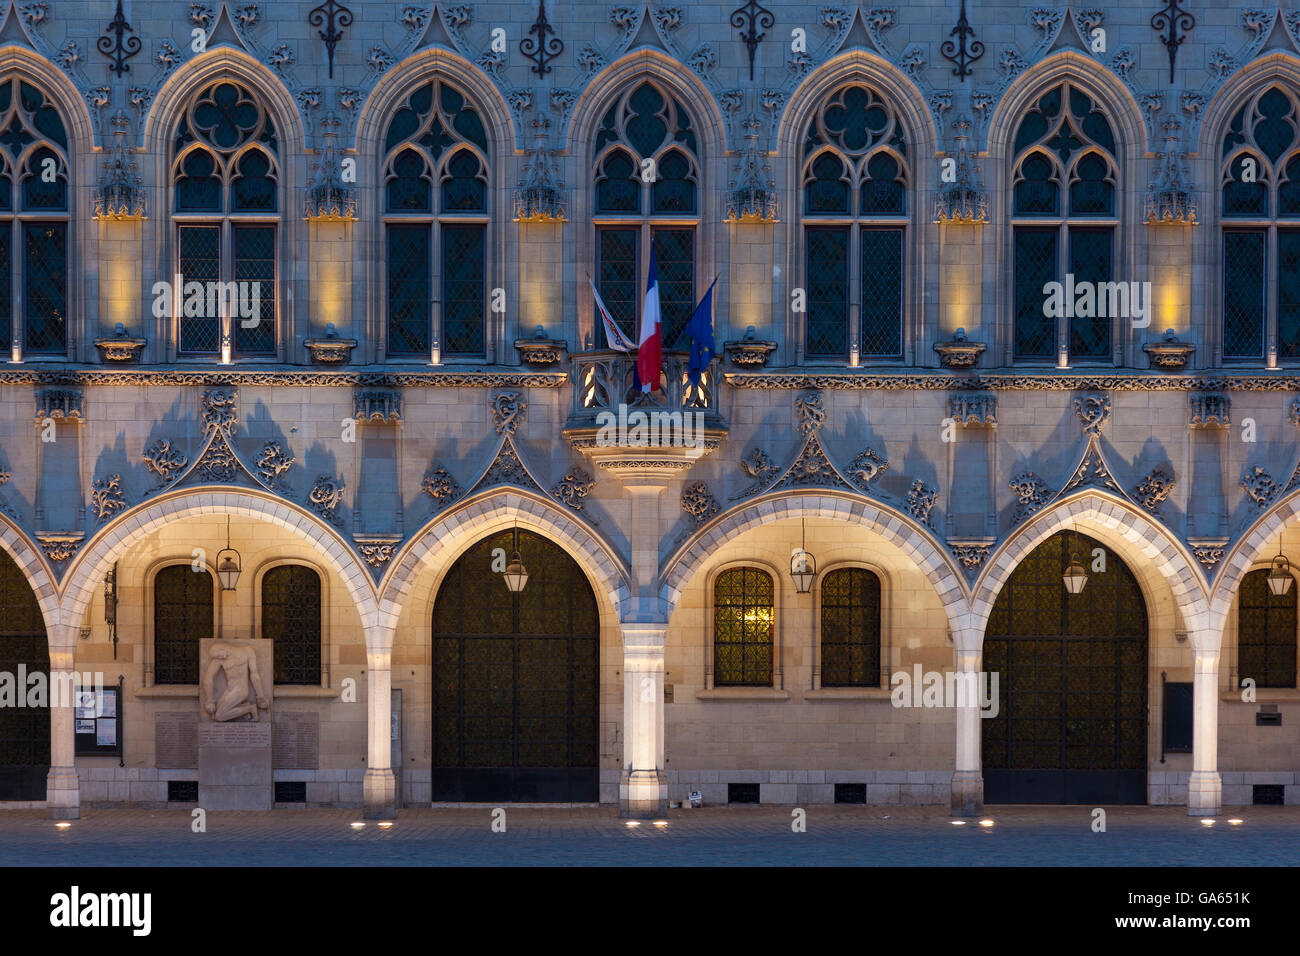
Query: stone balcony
{"x": 627, "y": 432}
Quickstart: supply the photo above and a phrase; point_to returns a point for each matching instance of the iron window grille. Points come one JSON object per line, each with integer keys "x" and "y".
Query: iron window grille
{"x": 1266, "y": 633}
{"x": 1065, "y": 219}
{"x": 183, "y": 614}
{"x": 855, "y": 179}
{"x": 34, "y": 223}
{"x": 435, "y": 175}
{"x": 226, "y": 203}
{"x": 291, "y": 618}
{"x": 744, "y": 616}
{"x": 850, "y": 628}
{"x": 1260, "y": 215}
{"x": 646, "y": 173}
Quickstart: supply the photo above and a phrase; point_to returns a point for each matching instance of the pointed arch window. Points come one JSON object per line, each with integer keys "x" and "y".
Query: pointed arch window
{"x": 291, "y": 617}
{"x": 435, "y": 175}
{"x": 182, "y": 616}
{"x": 1065, "y": 219}
{"x": 226, "y": 202}
{"x": 1266, "y": 632}
{"x": 855, "y": 180}
{"x": 646, "y": 180}
{"x": 744, "y": 615}
{"x": 1259, "y": 177}
{"x": 34, "y": 222}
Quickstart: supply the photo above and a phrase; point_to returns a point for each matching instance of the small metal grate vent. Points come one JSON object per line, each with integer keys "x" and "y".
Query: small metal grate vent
{"x": 850, "y": 793}
{"x": 1267, "y": 794}
{"x": 291, "y": 791}
{"x": 182, "y": 791}
{"x": 742, "y": 793}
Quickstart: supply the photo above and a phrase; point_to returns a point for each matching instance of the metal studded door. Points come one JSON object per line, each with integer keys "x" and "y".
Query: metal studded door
{"x": 1072, "y": 716}
{"x": 515, "y": 679}
{"x": 24, "y": 730}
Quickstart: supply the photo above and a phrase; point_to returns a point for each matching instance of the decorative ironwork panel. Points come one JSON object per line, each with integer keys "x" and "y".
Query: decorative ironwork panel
{"x": 675, "y": 260}
{"x": 408, "y": 290}
{"x": 291, "y": 617}
{"x": 1266, "y": 633}
{"x": 24, "y": 731}
{"x": 182, "y": 616}
{"x": 882, "y": 292}
{"x": 46, "y": 286}
{"x": 1243, "y": 294}
{"x": 464, "y": 289}
{"x": 618, "y": 274}
{"x": 743, "y": 618}
{"x": 826, "y": 266}
{"x": 200, "y": 261}
{"x": 1091, "y": 261}
{"x": 1072, "y": 670}
{"x": 850, "y": 628}
{"x": 515, "y": 678}
{"x": 255, "y": 262}
{"x": 1035, "y": 266}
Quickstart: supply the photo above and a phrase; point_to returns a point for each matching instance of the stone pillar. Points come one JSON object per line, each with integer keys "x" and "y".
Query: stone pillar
{"x": 379, "y": 790}
{"x": 643, "y": 787}
{"x": 1205, "y": 788}
{"x": 968, "y": 778}
{"x": 62, "y": 788}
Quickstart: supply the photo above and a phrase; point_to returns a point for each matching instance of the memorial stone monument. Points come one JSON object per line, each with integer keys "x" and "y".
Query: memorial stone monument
{"x": 235, "y": 681}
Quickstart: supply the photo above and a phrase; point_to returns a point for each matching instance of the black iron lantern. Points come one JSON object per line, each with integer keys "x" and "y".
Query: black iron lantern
{"x": 803, "y": 566}
{"x": 516, "y": 574}
{"x": 228, "y": 563}
{"x": 1279, "y": 577}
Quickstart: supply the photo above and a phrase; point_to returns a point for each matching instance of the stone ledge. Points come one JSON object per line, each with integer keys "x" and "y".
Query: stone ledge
{"x": 848, "y": 693}
{"x": 743, "y": 693}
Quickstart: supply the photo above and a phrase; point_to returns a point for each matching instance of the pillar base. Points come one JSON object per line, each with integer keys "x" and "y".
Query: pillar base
{"x": 642, "y": 795}
{"x": 63, "y": 794}
{"x": 967, "y": 793}
{"x": 379, "y": 794}
{"x": 1204, "y": 793}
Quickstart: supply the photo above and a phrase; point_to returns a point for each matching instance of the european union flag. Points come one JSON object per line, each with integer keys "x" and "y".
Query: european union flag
{"x": 700, "y": 329}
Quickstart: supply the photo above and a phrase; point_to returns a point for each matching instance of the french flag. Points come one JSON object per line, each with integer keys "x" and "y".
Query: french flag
{"x": 649, "y": 355}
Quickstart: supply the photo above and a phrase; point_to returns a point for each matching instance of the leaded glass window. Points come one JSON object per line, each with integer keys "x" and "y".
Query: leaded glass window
{"x": 743, "y": 620}
{"x": 182, "y": 616}
{"x": 291, "y": 617}
{"x": 1266, "y": 633}
{"x": 855, "y": 181}
{"x": 850, "y": 628}
{"x": 226, "y": 199}
{"x": 435, "y": 173}
{"x": 34, "y": 222}
{"x": 1065, "y": 218}
{"x": 1260, "y": 211}
{"x": 646, "y": 180}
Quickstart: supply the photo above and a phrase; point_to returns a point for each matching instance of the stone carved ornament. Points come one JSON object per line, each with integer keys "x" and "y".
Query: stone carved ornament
{"x": 698, "y": 503}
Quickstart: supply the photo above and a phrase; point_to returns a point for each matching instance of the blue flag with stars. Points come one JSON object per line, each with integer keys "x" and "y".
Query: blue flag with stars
{"x": 700, "y": 329}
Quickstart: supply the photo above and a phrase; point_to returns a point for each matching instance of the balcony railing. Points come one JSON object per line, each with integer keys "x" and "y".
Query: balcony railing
{"x": 605, "y": 379}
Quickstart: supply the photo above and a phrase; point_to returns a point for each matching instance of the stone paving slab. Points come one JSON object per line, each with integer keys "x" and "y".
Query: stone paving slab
{"x": 730, "y": 836}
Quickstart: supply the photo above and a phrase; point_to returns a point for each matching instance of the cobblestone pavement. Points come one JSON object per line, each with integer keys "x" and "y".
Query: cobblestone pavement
{"x": 730, "y": 836}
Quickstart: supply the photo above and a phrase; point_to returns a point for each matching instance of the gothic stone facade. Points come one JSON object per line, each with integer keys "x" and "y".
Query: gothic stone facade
{"x": 423, "y": 200}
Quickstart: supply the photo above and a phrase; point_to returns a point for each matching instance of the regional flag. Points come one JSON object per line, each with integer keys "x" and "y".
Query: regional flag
{"x": 614, "y": 336}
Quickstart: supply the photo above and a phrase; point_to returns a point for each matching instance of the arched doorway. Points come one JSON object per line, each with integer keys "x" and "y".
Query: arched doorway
{"x": 1071, "y": 725}
{"x": 24, "y": 650}
{"x": 515, "y": 679}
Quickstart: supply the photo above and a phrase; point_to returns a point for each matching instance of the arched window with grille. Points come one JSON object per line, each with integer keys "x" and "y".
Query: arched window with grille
{"x": 646, "y": 178}
{"x": 182, "y": 616}
{"x": 1065, "y": 218}
{"x": 226, "y": 204}
{"x": 1266, "y": 632}
{"x": 34, "y": 222}
{"x": 855, "y": 181}
{"x": 744, "y": 616}
{"x": 435, "y": 175}
{"x": 1260, "y": 215}
{"x": 850, "y": 652}
{"x": 291, "y": 617}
